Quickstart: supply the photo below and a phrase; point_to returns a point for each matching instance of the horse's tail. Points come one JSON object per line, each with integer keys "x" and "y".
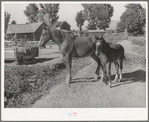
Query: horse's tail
{"x": 123, "y": 54}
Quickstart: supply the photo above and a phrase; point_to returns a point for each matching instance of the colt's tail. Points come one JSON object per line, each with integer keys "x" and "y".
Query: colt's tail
{"x": 124, "y": 58}
{"x": 123, "y": 53}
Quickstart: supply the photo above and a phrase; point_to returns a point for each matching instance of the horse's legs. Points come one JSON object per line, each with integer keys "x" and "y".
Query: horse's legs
{"x": 98, "y": 67}
{"x": 109, "y": 72}
{"x": 103, "y": 78}
{"x": 117, "y": 70}
{"x": 68, "y": 65}
{"x": 121, "y": 68}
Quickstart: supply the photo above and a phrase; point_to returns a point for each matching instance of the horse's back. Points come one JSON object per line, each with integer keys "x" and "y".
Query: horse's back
{"x": 84, "y": 45}
{"x": 118, "y": 48}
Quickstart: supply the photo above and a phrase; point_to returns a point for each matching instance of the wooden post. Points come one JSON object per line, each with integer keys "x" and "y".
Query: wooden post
{"x": 33, "y": 37}
{"x": 106, "y": 16}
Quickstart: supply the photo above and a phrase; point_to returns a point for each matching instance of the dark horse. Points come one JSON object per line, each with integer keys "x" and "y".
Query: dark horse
{"x": 108, "y": 53}
{"x": 71, "y": 46}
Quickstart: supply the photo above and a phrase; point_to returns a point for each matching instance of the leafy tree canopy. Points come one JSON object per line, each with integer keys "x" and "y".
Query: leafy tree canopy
{"x": 80, "y": 18}
{"x": 31, "y": 12}
{"x": 42, "y": 13}
{"x": 98, "y": 15}
{"x": 134, "y": 19}
{"x": 7, "y": 19}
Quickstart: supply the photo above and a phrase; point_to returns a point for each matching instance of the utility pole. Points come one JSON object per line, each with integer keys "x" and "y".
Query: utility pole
{"x": 126, "y": 32}
{"x": 106, "y": 15}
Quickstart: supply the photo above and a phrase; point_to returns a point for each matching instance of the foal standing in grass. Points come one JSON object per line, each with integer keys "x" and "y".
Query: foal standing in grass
{"x": 107, "y": 54}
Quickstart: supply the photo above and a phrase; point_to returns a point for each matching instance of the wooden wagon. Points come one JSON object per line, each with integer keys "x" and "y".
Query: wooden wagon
{"x": 23, "y": 53}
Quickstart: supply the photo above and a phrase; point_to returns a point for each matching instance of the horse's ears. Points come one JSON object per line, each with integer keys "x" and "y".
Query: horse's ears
{"x": 101, "y": 37}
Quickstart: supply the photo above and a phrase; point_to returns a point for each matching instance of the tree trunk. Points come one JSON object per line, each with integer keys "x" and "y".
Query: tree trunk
{"x": 80, "y": 28}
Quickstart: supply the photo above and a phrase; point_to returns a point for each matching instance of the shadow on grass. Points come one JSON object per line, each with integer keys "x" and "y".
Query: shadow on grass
{"x": 10, "y": 61}
{"x": 41, "y": 60}
{"x": 132, "y": 77}
{"x": 31, "y": 61}
{"x": 91, "y": 79}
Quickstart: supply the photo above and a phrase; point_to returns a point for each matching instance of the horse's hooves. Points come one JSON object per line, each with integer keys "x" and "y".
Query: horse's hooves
{"x": 68, "y": 85}
{"x": 110, "y": 85}
{"x": 120, "y": 80}
{"x": 68, "y": 82}
{"x": 115, "y": 80}
{"x": 106, "y": 83}
{"x": 101, "y": 80}
{"x": 97, "y": 77}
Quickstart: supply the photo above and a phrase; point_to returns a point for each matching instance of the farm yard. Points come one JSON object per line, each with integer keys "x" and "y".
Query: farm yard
{"x": 42, "y": 85}
{"x": 35, "y": 72}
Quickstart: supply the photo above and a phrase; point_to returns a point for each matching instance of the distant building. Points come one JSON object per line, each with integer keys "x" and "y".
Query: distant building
{"x": 62, "y": 25}
{"x": 94, "y": 32}
{"x": 32, "y": 31}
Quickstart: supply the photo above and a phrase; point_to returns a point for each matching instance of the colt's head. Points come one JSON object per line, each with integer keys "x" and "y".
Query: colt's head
{"x": 99, "y": 43}
{"x": 45, "y": 36}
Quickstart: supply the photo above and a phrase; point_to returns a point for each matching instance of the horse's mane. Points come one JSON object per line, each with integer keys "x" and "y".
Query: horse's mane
{"x": 64, "y": 34}
{"x": 61, "y": 35}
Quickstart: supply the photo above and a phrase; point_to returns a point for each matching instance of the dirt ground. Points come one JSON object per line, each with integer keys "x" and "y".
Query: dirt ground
{"x": 86, "y": 92}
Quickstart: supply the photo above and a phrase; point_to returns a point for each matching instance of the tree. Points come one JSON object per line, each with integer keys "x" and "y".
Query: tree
{"x": 80, "y": 18}
{"x": 13, "y": 22}
{"x": 31, "y": 12}
{"x": 42, "y": 13}
{"x": 48, "y": 13}
{"x": 133, "y": 19}
{"x": 120, "y": 27}
{"x": 98, "y": 15}
{"x": 7, "y": 19}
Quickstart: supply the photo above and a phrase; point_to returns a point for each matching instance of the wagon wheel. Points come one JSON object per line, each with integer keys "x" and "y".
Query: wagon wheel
{"x": 19, "y": 57}
{"x": 20, "y": 60}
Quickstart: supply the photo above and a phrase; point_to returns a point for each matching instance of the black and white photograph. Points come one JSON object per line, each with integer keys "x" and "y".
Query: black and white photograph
{"x": 63, "y": 60}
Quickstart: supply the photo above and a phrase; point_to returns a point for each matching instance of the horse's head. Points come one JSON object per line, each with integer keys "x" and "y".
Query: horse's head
{"x": 99, "y": 44}
{"x": 45, "y": 36}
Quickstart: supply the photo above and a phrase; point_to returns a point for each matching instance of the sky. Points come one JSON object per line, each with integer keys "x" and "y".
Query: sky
{"x": 67, "y": 12}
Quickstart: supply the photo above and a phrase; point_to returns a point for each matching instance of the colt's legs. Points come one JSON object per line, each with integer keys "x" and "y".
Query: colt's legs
{"x": 68, "y": 65}
{"x": 117, "y": 71}
{"x": 109, "y": 73}
{"x": 103, "y": 78}
{"x": 121, "y": 68}
{"x": 98, "y": 67}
